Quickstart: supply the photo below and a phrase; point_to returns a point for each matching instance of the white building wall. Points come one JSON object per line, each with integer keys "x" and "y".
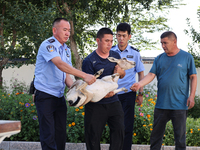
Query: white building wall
{"x": 23, "y": 74}
{"x": 26, "y": 73}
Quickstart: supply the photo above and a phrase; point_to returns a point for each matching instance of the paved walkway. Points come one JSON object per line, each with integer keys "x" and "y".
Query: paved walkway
{"x": 18, "y": 145}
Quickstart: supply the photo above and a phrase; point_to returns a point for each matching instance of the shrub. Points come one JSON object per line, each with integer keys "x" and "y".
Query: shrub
{"x": 75, "y": 124}
{"x": 143, "y": 124}
{"x": 19, "y": 106}
{"x": 15, "y": 86}
{"x": 16, "y": 104}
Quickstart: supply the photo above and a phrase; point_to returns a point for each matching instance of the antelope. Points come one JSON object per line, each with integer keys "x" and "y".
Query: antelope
{"x": 80, "y": 93}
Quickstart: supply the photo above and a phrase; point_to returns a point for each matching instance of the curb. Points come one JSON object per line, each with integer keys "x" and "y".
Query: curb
{"x": 20, "y": 145}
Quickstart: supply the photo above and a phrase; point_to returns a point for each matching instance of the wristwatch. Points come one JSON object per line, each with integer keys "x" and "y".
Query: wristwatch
{"x": 140, "y": 94}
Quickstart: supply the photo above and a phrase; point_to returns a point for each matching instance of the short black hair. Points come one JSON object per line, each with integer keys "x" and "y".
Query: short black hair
{"x": 168, "y": 34}
{"x": 124, "y": 27}
{"x": 57, "y": 20}
{"x": 102, "y": 31}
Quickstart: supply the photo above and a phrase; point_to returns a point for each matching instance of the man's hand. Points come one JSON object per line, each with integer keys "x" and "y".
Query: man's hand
{"x": 89, "y": 79}
{"x": 119, "y": 70}
{"x": 110, "y": 94}
{"x": 190, "y": 102}
{"x": 139, "y": 100}
{"x": 135, "y": 87}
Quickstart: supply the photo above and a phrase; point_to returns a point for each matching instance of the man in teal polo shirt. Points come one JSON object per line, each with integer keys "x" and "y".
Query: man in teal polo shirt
{"x": 175, "y": 70}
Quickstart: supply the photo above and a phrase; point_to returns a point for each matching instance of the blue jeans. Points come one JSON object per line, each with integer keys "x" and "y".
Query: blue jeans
{"x": 161, "y": 117}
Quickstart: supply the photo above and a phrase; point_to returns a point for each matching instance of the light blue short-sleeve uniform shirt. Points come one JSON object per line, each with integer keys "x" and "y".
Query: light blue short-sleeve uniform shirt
{"x": 48, "y": 78}
{"x": 173, "y": 73}
{"x": 131, "y": 54}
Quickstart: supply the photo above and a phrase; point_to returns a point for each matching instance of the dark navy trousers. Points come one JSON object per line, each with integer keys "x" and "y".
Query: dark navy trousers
{"x": 96, "y": 117}
{"x": 128, "y": 103}
{"x": 161, "y": 117}
{"x": 52, "y": 114}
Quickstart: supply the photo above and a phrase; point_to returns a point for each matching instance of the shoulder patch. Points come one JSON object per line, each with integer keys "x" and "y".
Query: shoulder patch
{"x": 135, "y": 49}
{"x": 50, "y": 48}
{"x": 51, "y": 40}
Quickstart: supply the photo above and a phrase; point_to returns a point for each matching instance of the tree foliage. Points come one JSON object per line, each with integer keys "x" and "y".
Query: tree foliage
{"x": 24, "y": 24}
{"x": 194, "y": 47}
{"x": 88, "y": 16}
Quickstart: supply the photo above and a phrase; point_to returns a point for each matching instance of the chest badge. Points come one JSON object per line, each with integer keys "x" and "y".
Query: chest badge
{"x": 129, "y": 56}
{"x": 66, "y": 53}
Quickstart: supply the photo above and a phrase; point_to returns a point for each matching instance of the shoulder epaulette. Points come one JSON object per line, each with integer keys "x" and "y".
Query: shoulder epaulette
{"x": 51, "y": 40}
{"x": 135, "y": 49}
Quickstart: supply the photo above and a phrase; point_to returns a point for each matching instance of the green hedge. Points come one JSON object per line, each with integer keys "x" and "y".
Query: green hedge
{"x": 19, "y": 106}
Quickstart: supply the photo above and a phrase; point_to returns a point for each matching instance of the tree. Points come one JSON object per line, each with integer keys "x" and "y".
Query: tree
{"x": 24, "y": 24}
{"x": 194, "y": 47}
{"x": 88, "y": 15}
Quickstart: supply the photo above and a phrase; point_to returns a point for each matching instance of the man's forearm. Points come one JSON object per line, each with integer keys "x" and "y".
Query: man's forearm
{"x": 140, "y": 77}
{"x": 147, "y": 79}
{"x": 68, "y": 81}
{"x": 193, "y": 85}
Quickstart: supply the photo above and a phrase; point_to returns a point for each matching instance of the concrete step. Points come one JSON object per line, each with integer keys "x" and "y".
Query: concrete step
{"x": 19, "y": 145}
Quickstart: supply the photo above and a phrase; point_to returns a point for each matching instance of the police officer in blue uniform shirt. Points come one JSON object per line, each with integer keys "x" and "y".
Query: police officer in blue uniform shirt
{"x": 53, "y": 66}
{"x": 128, "y": 99}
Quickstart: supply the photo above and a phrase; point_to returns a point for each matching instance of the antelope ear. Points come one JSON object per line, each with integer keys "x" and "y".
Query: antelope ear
{"x": 112, "y": 59}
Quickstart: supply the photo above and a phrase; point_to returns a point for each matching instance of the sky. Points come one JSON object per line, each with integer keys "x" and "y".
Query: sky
{"x": 177, "y": 22}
